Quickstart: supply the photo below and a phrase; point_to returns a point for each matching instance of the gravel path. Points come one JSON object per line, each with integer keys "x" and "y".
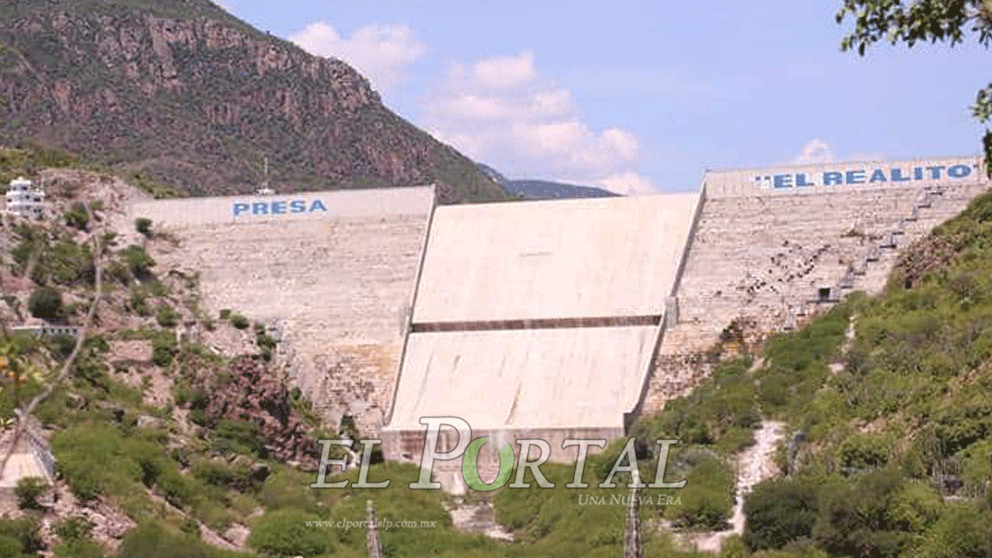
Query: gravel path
{"x": 756, "y": 464}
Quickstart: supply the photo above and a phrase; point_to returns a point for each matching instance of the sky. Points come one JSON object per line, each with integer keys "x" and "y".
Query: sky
{"x": 643, "y": 96}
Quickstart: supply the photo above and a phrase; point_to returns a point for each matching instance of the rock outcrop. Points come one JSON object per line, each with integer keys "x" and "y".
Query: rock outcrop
{"x": 182, "y": 94}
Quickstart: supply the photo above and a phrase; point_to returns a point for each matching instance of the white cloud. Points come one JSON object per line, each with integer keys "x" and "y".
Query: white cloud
{"x": 628, "y": 184}
{"x": 380, "y": 52}
{"x": 865, "y": 156}
{"x": 505, "y": 72}
{"x": 500, "y": 111}
{"x": 815, "y": 151}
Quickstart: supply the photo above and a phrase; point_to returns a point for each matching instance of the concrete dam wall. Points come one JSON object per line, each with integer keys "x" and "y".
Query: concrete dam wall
{"x": 549, "y": 319}
{"x": 332, "y": 273}
{"x": 538, "y": 316}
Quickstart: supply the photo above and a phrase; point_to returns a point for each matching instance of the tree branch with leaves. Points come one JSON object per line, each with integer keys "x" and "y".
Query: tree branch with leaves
{"x": 943, "y": 21}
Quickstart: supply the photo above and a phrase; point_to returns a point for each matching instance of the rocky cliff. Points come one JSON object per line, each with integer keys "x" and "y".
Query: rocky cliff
{"x": 181, "y": 93}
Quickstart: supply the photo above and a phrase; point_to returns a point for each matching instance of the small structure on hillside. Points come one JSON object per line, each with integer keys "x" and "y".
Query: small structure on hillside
{"x": 24, "y": 199}
{"x": 41, "y": 328}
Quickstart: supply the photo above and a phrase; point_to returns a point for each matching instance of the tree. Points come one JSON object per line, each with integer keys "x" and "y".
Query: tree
{"x": 908, "y": 22}
{"x": 46, "y": 303}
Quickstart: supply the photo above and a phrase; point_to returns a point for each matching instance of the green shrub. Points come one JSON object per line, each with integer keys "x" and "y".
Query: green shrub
{"x": 83, "y": 450}
{"x": 150, "y": 460}
{"x": 166, "y": 316}
{"x": 46, "y": 303}
{"x": 176, "y": 488}
{"x": 199, "y": 399}
{"x": 181, "y": 392}
{"x": 73, "y": 528}
{"x": 721, "y": 412}
{"x": 80, "y": 548}
{"x": 779, "y": 512}
{"x": 238, "y": 436}
{"x": 963, "y": 531}
{"x": 10, "y": 547}
{"x": 28, "y": 490}
{"x": 117, "y": 272}
{"x": 94, "y": 370}
{"x": 855, "y": 519}
{"x": 164, "y": 349}
{"x": 143, "y": 225}
{"x": 138, "y": 262}
{"x": 64, "y": 263}
{"x": 139, "y": 303}
{"x": 86, "y": 476}
{"x": 153, "y": 540}
{"x": 25, "y": 532}
{"x": 222, "y": 475}
{"x": 267, "y": 345}
{"x": 865, "y": 451}
{"x": 74, "y": 533}
{"x": 285, "y": 533}
{"x": 239, "y": 321}
{"x": 22, "y": 253}
{"x": 708, "y": 495}
{"x": 191, "y": 527}
{"x": 61, "y": 345}
{"x": 77, "y": 216}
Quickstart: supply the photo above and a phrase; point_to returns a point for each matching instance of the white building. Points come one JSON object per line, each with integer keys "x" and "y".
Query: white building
{"x": 24, "y": 199}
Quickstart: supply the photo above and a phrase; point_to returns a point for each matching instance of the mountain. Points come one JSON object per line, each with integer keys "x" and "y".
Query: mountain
{"x": 545, "y": 189}
{"x": 181, "y": 93}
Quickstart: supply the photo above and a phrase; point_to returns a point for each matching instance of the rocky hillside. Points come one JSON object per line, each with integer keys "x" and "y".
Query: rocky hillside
{"x": 181, "y": 93}
{"x": 159, "y": 389}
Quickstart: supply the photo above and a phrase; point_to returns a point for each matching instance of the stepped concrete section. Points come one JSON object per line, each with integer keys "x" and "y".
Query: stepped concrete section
{"x": 777, "y": 245}
{"x": 331, "y": 274}
{"x": 538, "y": 320}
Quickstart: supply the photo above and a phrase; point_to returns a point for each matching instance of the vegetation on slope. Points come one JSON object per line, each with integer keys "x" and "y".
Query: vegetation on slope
{"x": 891, "y": 446}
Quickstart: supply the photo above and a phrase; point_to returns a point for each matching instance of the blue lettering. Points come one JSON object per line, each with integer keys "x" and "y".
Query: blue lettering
{"x": 935, "y": 172}
{"x": 918, "y": 173}
{"x": 897, "y": 176}
{"x": 317, "y": 204}
{"x": 959, "y": 171}
{"x": 297, "y": 206}
{"x": 240, "y": 208}
{"x": 833, "y": 178}
{"x": 855, "y": 177}
{"x": 278, "y": 208}
{"x": 877, "y": 176}
{"x": 783, "y": 180}
{"x": 801, "y": 180}
{"x": 260, "y": 208}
